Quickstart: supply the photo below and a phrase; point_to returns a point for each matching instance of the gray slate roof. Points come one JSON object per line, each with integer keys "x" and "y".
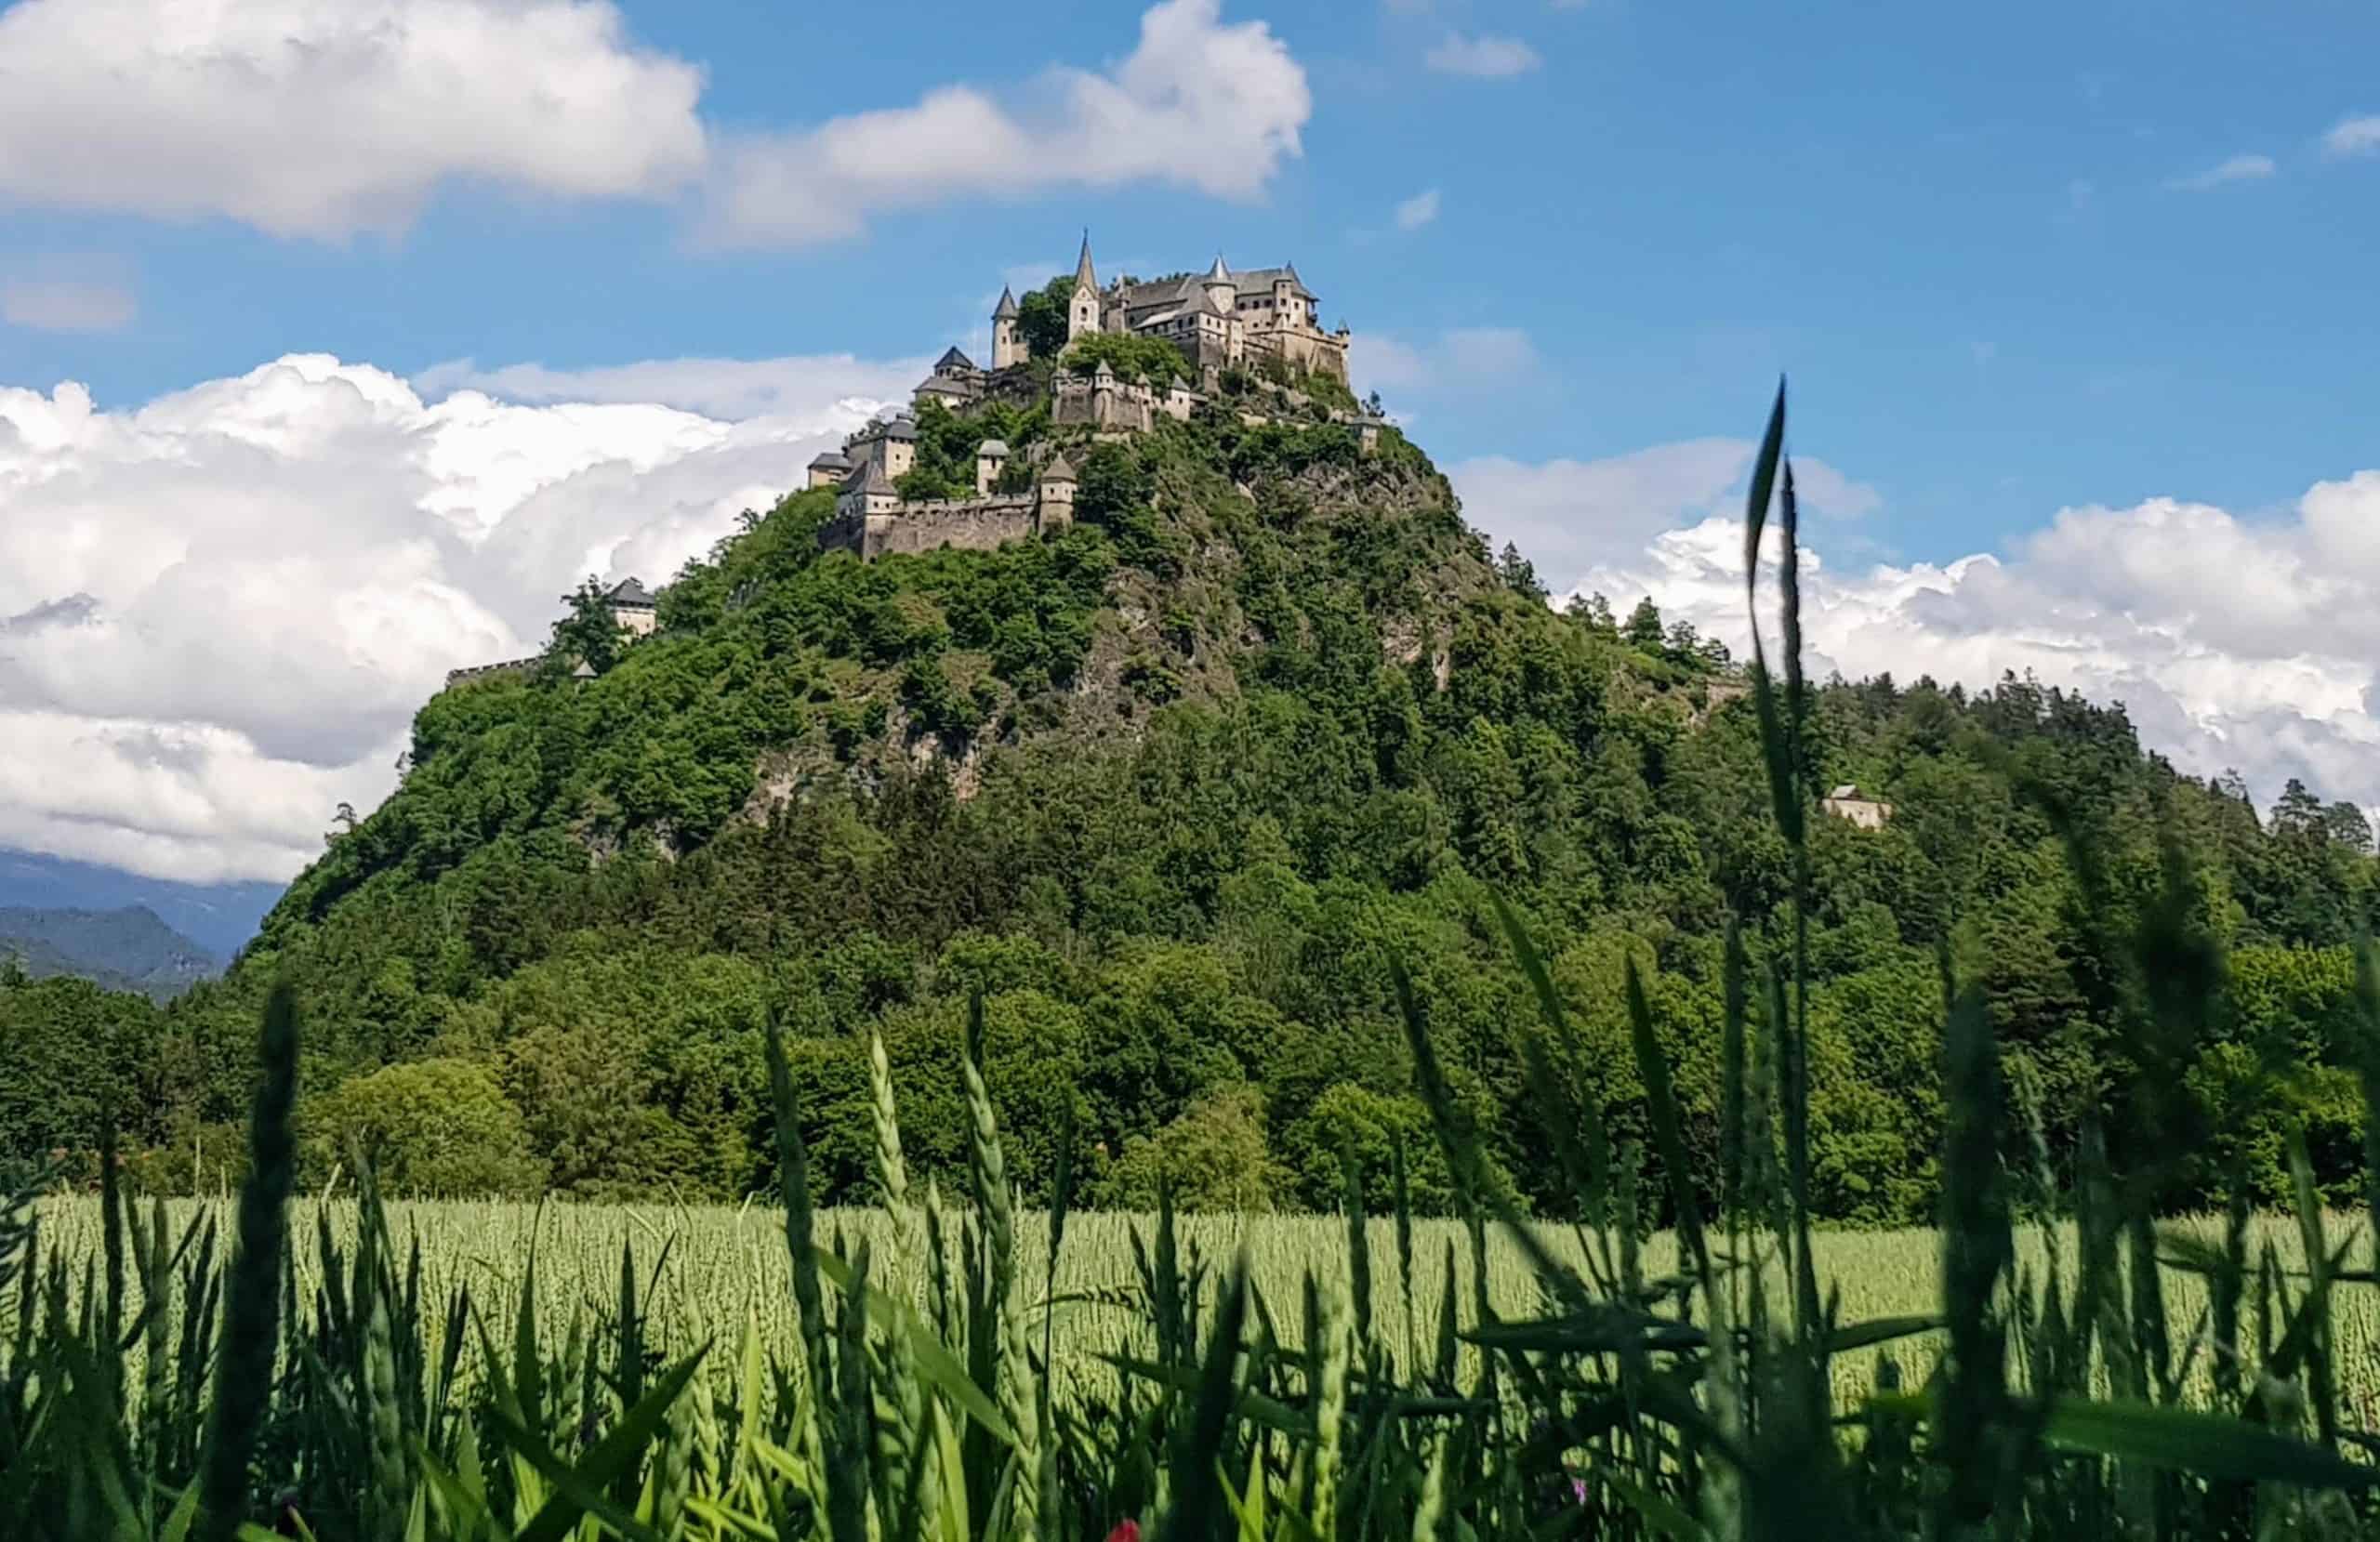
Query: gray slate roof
{"x": 901, "y": 427}
{"x": 1058, "y": 470}
{"x": 831, "y": 460}
{"x": 1006, "y": 309}
{"x": 1263, "y": 278}
{"x": 630, "y": 593}
{"x": 869, "y": 478}
{"x": 992, "y": 447}
{"x": 952, "y": 359}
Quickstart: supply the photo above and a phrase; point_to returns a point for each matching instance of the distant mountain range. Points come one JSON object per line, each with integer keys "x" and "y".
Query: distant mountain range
{"x": 128, "y": 949}
{"x": 219, "y": 917}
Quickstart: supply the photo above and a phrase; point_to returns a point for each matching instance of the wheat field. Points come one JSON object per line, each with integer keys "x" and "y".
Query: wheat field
{"x": 713, "y": 1270}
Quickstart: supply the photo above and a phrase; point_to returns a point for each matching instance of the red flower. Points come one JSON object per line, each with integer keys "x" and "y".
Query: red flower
{"x": 1125, "y": 1530}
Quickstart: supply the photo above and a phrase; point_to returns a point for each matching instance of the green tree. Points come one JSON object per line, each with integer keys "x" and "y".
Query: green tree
{"x": 1213, "y": 1157}
{"x": 1642, "y": 628}
{"x": 1130, "y": 355}
{"x": 588, "y": 632}
{"x": 435, "y": 1127}
{"x": 1042, "y": 317}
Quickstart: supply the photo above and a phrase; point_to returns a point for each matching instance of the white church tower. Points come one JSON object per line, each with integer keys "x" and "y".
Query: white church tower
{"x": 1083, "y": 310}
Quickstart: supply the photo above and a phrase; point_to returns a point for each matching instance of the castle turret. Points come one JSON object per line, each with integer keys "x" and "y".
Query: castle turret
{"x": 1083, "y": 309}
{"x": 1055, "y": 506}
{"x": 633, "y": 608}
{"x": 1285, "y": 299}
{"x": 900, "y": 446}
{"x": 990, "y": 456}
{"x": 868, "y": 491}
{"x": 1223, "y": 294}
{"x": 1007, "y": 347}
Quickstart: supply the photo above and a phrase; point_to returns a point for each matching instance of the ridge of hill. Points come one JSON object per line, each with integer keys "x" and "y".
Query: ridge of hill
{"x": 129, "y": 948}
{"x": 1171, "y": 792}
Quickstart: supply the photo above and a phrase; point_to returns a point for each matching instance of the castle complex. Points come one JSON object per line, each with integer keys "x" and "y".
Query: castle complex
{"x": 1244, "y": 334}
{"x": 1221, "y": 320}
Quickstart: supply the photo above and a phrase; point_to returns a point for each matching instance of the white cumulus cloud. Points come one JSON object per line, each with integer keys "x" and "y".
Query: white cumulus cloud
{"x": 2232, "y": 643}
{"x": 321, "y": 119}
{"x": 219, "y": 611}
{"x": 1199, "y": 103}
{"x": 1417, "y": 210}
{"x": 2357, "y": 135}
{"x": 2236, "y": 168}
{"x": 1482, "y": 58}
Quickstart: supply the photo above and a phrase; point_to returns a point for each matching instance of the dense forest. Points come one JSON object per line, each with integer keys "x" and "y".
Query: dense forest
{"x": 1169, "y": 793}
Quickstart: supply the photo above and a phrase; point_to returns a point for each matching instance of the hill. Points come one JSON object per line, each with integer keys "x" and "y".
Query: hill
{"x": 128, "y": 949}
{"x": 1171, "y": 791}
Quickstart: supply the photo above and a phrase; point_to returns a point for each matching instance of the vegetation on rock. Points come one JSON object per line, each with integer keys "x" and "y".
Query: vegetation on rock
{"x": 1170, "y": 789}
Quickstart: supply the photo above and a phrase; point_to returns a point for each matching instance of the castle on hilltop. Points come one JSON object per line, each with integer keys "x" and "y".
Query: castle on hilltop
{"x": 1253, "y": 331}
{"x": 1219, "y": 318}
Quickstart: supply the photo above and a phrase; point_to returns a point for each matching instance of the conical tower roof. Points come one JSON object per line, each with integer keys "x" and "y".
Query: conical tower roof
{"x": 1058, "y": 470}
{"x": 1083, "y": 273}
{"x": 1006, "y": 309}
{"x": 1219, "y": 273}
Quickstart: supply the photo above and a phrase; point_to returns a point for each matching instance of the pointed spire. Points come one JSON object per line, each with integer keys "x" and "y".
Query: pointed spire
{"x": 1219, "y": 273}
{"x": 1006, "y": 309}
{"x": 1083, "y": 273}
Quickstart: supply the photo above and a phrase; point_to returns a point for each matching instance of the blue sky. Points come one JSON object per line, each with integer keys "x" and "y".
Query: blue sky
{"x": 2076, "y": 302}
{"x": 1959, "y": 230}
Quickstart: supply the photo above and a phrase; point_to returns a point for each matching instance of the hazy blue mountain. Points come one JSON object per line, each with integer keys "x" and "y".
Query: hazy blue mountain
{"x": 128, "y": 949}
{"x": 219, "y": 917}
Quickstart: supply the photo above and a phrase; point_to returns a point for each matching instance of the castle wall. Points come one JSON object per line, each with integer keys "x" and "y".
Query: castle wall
{"x": 974, "y": 524}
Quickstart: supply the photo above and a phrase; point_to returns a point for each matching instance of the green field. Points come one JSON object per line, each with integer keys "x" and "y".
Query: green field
{"x": 722, "y": 1267}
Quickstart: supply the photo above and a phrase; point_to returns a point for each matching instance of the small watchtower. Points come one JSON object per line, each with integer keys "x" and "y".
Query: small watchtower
{"x": 633, "y": 608}
{"x": 1055, "y": 504}
{"x": 990, "y": 457}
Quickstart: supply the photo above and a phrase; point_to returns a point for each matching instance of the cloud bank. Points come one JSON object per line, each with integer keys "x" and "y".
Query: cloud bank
{"x": 219, "y": 611}
{"x": 321, "y": 120}
{"x": 1198, "y": 103}
{"x": 2233, "y": 643}
{"x": 318, "y": 119}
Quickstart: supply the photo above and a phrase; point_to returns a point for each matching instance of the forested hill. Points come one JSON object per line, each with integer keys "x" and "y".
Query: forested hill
{"x": 1170, "y": 791}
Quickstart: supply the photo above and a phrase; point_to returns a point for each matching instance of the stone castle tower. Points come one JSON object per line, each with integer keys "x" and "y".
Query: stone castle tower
{"x": 1008, "y": 345}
